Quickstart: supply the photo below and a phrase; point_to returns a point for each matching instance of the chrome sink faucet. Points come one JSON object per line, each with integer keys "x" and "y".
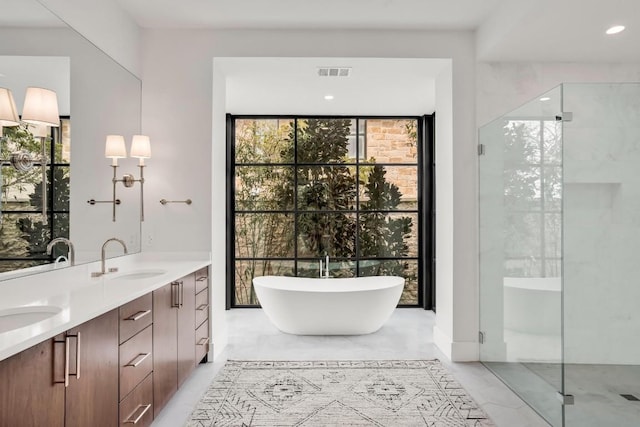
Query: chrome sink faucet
{"x": 103, "y": 270}
{"x": 72, "y": 254}
{"x": 324, "y": 275}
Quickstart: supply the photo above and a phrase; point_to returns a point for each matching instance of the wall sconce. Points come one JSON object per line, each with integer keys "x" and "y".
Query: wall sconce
{"x": 8, "y": 111}
{"x": 115, "y": 149}
{"x": 40, "y": 109}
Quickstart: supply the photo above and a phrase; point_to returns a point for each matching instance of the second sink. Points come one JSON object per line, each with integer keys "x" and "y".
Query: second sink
{"x": 140, "y": 274}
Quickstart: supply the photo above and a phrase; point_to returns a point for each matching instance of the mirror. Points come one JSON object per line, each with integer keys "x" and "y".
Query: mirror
{"x": 96, "y": 97}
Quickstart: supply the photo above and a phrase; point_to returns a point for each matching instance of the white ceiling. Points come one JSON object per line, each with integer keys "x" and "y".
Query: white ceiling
{"x": 508, "y": 30}
{"x": 308, "y": 14}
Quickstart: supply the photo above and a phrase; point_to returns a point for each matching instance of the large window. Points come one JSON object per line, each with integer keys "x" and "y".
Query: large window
{"x": 23, "y": 233}
{"x": 306, "y": 187}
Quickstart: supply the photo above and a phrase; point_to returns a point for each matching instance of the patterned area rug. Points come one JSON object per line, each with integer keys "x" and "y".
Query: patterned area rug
{"x": 336, "y": 393}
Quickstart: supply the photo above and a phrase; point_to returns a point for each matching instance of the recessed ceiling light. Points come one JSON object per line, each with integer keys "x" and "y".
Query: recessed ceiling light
{"x": 328, "y": 97}
{"x": 544, "y": 98}
{"x": 615, "y": 29}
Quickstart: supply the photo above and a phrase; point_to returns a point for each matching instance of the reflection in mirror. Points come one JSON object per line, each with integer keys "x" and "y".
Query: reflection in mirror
{"x": 96, "y": 97}
{"x": 26, "y": 152}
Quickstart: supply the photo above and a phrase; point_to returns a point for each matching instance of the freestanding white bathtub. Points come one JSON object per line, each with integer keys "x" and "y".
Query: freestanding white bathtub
{"x": 309, "y": 306}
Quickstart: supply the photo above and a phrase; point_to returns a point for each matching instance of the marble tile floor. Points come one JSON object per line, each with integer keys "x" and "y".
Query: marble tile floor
{"x": 407, "y": 335}
{"x": 597, "y": 390}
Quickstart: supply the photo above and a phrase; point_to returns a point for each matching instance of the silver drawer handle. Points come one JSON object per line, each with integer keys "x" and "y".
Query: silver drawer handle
{"x": 202, "y": 307}
{"x": 144, "y": 411}
{"x": 139, "y": 315}
{"x": 202, "y": 278}
{"x": 203, "y": 341}
{"x": 134, "y": 363}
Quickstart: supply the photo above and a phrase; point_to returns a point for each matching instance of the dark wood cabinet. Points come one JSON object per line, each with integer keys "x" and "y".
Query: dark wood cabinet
{"x": 29, "y": 395}
{"x": 119, "y": 368}
{"x": 202, "y": 314}
{"x": 165, "y": 345}
{"x": 92, "y": 394}
{"x": 186, "y": 328}
{"x": 39, "y": 387}
{"x": 136, "y": 408}
{"x": 174, "y": 308}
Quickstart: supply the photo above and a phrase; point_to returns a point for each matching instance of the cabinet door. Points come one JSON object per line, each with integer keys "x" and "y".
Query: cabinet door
{"x": 29, "y": 394}
{"x": 92, "y": 394}
{"x": 165, "y": 345}
{"x": 186, "y": 328}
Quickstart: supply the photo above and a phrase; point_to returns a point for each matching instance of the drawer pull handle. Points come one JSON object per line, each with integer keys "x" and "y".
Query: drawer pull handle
{"x": 139, "y": 315}
{"x": 203, "y": 341}
{"x": 202, "y": 307}
{"x": 67, "y": 372}
{"x": 139, "y": 417}
{"x": 138, "y": 359}
{"x": 202, "y": 278}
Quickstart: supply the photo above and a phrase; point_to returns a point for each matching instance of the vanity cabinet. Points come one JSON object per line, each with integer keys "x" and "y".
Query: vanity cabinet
{"x": 186, "y": 328}
{"x": 136, "y": 362}
{"x": 92, "y": 395}
{"x": 118, "y": 369}
{"x": 28, "y": 394}
{"x": 42, "y": 387}
{"x": 173, "y": 338}
{"x": 202, "y": 314}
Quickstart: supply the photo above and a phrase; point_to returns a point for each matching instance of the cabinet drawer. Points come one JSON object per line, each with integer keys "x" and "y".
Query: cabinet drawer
{"x": 137, "y": 408}
{"x": 136, "y": 360}
{"x": 135, "y": 316}
{"x": 202, "y": 307}
{"x": 202, "y": 279}
{"x": 202, "y": 341}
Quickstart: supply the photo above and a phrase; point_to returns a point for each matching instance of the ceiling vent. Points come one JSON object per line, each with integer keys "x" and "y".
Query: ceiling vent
{"x": 334, "y": 71}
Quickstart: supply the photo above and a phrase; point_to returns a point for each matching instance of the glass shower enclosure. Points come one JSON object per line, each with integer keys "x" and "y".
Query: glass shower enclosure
{"x": 559, "y": 199}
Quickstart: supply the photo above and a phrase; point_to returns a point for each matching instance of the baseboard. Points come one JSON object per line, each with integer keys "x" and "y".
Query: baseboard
{"x": 218, "y": 347}
{"x": 456, "y": 351}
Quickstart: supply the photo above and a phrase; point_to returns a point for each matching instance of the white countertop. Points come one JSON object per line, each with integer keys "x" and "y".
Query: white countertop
{"x": 81, "y": 297}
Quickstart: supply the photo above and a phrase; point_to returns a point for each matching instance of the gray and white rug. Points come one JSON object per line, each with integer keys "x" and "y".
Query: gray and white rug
{"x": 336, "y": 393}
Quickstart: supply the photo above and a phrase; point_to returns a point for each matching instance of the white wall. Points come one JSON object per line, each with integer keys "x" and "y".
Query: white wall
{"x": 178, "y": 115}
{"x": 106, "y": 25}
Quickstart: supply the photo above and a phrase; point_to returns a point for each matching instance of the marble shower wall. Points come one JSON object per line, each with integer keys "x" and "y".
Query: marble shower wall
{"x": 601, "y": 223}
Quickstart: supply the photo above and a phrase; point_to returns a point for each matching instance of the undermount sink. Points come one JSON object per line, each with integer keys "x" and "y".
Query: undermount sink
{"x": 15, "y": 318}
{"x": 140, "y": 274}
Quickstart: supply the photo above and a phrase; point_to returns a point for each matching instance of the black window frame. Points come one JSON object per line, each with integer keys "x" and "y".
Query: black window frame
{"x": 425, "y": 211}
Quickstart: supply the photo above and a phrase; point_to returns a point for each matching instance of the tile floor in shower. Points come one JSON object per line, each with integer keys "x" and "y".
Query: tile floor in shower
{"x": 407, "y": 335}
{"x": 597, "y": 390}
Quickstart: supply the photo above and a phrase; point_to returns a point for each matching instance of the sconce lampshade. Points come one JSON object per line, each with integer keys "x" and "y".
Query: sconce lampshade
{"x": 114, "y": 148}
{"x": 140, "y": 147}
{"x": 41, "y": 107}
{"x": 8, "y": 110}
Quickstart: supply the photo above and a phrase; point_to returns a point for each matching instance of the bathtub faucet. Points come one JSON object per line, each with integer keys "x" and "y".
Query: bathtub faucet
{"x": 326, "y": 268}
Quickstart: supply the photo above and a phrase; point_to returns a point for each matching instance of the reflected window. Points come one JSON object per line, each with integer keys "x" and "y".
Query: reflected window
{"x": 533, "y": 198}
{"x": 23, "y": 233}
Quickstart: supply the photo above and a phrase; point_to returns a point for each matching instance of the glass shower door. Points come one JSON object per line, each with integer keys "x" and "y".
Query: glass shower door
{"x": 520, "y": 199}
